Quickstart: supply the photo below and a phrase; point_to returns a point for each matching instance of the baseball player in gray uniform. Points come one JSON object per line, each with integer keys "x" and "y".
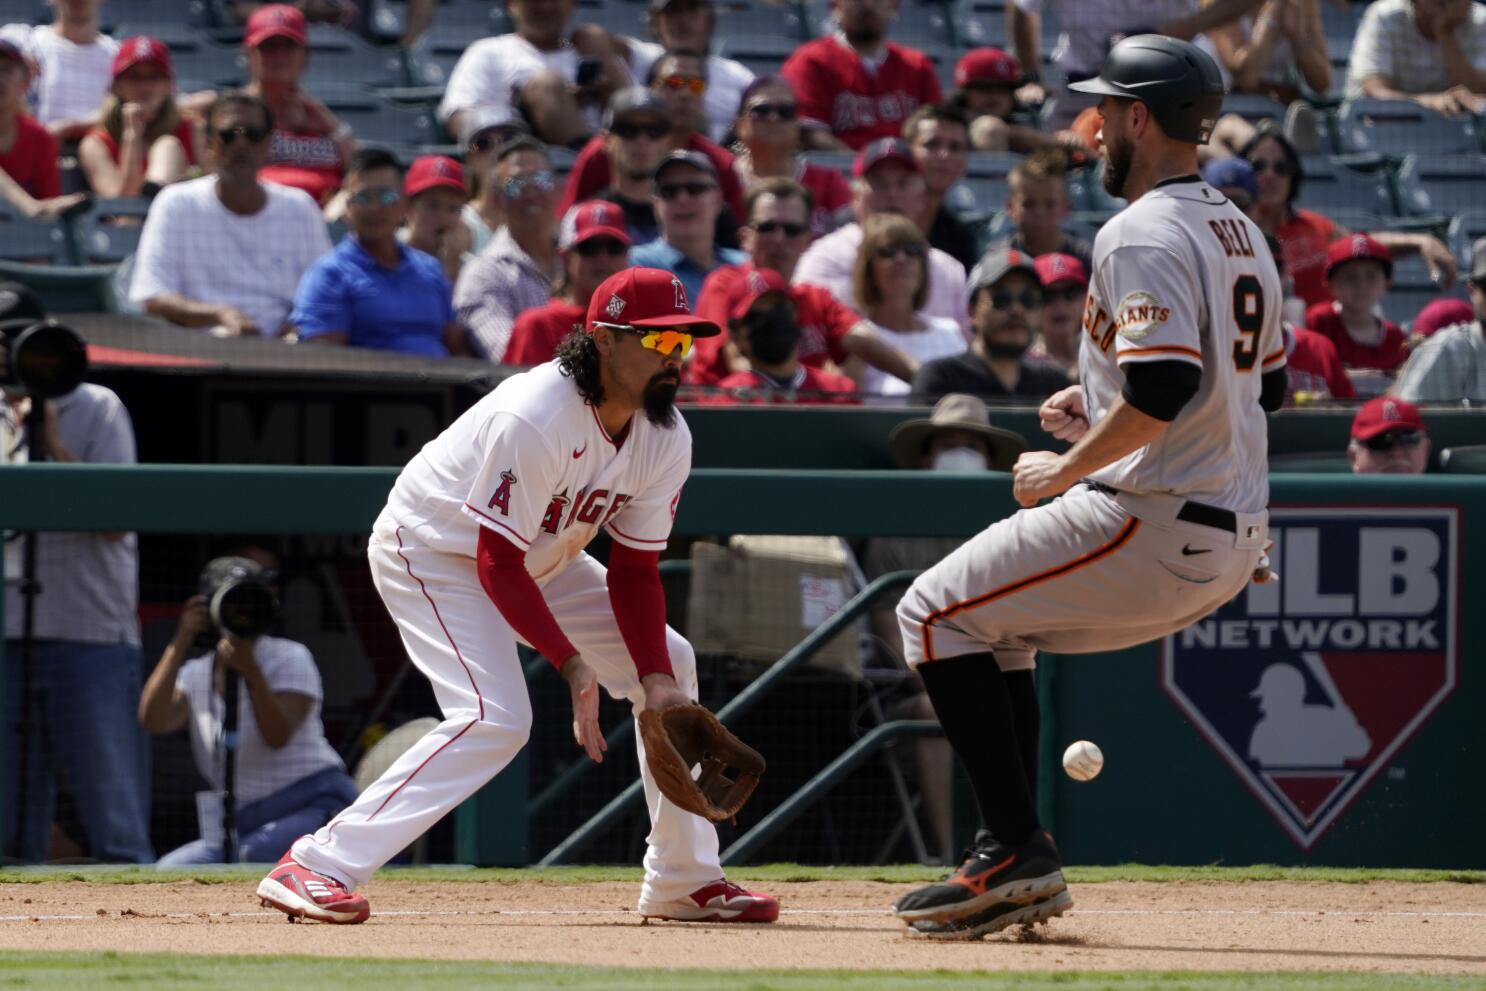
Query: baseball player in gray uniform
{"x": 1158, "y": 512}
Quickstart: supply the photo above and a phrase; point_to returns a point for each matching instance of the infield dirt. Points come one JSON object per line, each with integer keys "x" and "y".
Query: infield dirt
{"x": 1435, "y": 928}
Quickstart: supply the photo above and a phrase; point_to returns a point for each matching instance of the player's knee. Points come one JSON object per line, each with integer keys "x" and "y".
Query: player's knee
{"x": 504, "y": 725}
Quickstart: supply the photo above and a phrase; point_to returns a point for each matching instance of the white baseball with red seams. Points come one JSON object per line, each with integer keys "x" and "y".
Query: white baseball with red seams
{"x": 531, "y": 462}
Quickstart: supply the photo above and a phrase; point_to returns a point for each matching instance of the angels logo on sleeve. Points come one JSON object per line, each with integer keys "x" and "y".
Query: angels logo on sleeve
{"x": 501, "y": 499}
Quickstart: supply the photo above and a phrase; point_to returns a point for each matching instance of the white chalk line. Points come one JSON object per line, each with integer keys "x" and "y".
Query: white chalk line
{"x": 537, "y": 913}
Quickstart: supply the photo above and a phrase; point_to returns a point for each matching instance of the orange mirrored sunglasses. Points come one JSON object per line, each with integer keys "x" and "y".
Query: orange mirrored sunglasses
{"x": 663, "y": 341}
{"x": 677, "y": 81}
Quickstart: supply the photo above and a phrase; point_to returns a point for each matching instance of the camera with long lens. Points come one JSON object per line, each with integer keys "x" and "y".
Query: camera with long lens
{"x": 239, "y": 596}
{"x": 39, "y": 357}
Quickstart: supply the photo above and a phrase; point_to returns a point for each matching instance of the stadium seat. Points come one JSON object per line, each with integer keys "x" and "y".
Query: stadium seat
{"x": 1330, "y": 182}
{"x": 116, "y": 15}
{"x": 67, "y": 288}
{"x": 340, "y": 57}
{"x": 23, "y": 12}
{"x": 1466, "y": 460}
{"x": 210, "y": 65}
{"x": 42, "y": 241}
{"x": 176, "y": 34}
{"x": 1441, "y": 184}
{"x": 1465, "y": 230}
{"x": 618, "y": 17}
{"x": 1399, "y": 127}
{"x": 1354, "y": 220}
{"x": 1325, "y": 462}
{"x": 381, "y": 122}
{"x": 1253, "y": 107}
{"x": 1339, "y": 21}
{"x": 1412, "y": 290}
{"x": 741, "y": 26}
{"x": 100, "y": 239}
{"x": 978, "y": 23}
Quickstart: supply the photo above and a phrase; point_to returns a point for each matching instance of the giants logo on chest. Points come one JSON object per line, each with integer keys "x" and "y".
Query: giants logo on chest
{"x": 593, "y": 509}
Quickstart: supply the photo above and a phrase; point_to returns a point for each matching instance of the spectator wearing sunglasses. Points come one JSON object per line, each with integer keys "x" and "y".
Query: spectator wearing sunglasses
{"x": 764, "y": 323}
{"x": 226, "y": 252}
{"x": 309, "y": 146}
{"x": 687, "y": 25}
{"x": 1065, "y": 285}
{"x": 1450, "y": 367}
{"x": 482, "y": 130}
{"x": 516, "y": 270}
{"x": 687, "y": 201}
{"x": 1305, "y": 235}
{"x": 1006, "y": 311}
{"x": 831, "y": 333}
{"x": 891, "y": 279}
{"x": 768, "y": 131}
{"x": 856, "y": 86}
{"x": 675, "y": 86}
{"x": 1388, "y": 438}
{"x": 372, "y": 291}
{"x": 435, "y": 189}
{"x": 886, "y": 178}
{"x": 939, "y": 138}
{"x": 594, "y": 245}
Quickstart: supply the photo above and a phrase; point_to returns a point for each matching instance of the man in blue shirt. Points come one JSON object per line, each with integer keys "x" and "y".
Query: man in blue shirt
{"x": 687, "y": 200}
{"x": 371, "y": 291}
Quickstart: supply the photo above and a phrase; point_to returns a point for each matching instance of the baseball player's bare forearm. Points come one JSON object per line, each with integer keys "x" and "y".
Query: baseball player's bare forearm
{"x": 1124, "y": 429}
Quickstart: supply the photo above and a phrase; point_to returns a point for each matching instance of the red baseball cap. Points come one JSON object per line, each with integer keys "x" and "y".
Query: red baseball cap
{"x": 1355, "y": 246}
{"x": 987, "y": 65}
{"x": 429, "y": 171}
{"x": 1441, "y": 313}
{"x": 1385, "y": 413}
{"x": 1055, "y": 267}
{"x": 139, "y": 50}
{"x": 883, "y": 150}
{"x": 646, "y": 297}
{"x": 276, "y": 20}
{"x": 758, "y": 283}
{"x": 594, "y": 218}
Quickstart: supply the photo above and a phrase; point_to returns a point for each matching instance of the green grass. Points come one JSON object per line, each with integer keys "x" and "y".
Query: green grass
{"x": 895, "y": 873}
{"x": 168, "y": 972}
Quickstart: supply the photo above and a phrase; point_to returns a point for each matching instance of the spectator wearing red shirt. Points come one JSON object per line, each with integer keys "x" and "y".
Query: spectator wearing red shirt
{"x": 768, "y": 130}
{"x": 855, "y": 85}
{"x": 775, "y": 237}
{"x": 142, "y": 142}
{"x": 309, "y": 147}
{"x": 1313, "y": 370}
{"x": 764, "y": 323}
{"x": 1358, "y": 273}
{"x": 678, "y": 80}
{"x": 1306, "y": 235}
{"x": 1438, "y": 314}
{"x": 593, "y": 245}
{"x": 28, "y": 152}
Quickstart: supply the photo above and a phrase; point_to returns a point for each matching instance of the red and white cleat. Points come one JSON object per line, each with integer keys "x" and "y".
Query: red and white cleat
{"x": 720, "y": 901}
{"x": 300, "y": 893}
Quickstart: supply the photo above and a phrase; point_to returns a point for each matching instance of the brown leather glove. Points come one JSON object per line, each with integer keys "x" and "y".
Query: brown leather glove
{"x": 679, "y": 737}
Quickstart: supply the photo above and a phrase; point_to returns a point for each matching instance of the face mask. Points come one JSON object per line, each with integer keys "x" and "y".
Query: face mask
{"x": 962, "y": 459}
{"x": 772, "y": 338}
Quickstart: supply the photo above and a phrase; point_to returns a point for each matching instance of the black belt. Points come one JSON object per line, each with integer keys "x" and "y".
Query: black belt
{"x": 1191, "y": 512}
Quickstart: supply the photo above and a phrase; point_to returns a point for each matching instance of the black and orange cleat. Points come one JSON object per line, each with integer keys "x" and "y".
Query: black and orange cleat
{"x": 993, "y": 874}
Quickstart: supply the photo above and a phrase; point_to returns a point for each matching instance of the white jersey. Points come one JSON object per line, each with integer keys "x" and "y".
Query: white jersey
{"x": 532, "y": 462}
{"x": 1182, "y": 274}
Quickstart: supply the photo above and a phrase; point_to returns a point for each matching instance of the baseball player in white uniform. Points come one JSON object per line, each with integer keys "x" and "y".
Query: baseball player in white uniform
{"x": 481, "y": 546}
{"x": 1158, "y": 514}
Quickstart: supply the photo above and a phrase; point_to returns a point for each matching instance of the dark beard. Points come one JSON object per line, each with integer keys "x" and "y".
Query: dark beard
{"x": 660, "y": 398}
{"x": 1117, "y": 160}
{"x": 867, "y": 34}
{"x": 1003, "y": 351}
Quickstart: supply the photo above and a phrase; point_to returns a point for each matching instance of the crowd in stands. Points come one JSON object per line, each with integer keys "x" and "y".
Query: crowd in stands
{"x": 854, "y": 169}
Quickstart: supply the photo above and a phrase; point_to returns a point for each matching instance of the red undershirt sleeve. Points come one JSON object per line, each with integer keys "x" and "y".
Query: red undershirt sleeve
{"x": 502, "y": 569}
{"x": 639, "y": 607}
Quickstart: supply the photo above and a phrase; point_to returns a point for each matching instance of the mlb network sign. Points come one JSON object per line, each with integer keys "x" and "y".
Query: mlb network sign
{"x": 1308, "y": 686}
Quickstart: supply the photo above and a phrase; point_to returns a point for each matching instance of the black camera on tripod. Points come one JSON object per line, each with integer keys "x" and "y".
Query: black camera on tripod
{"x": 239, "y": 596}
{"x": 39, "y": 357}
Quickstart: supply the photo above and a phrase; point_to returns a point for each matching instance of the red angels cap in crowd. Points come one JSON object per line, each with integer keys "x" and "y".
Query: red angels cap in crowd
{"x": 646, "y": 297}
{"x": 1055, "y": 267}
{"x": 987, "y": 65}
{"x": 1442, "y": 313}
{"x": 1385, "y": 413}
{"x": 883, "y": 150}
{"x": 1355, "y": 246}
{"x": 594, "y": 218}
{"x": 429, "y": 171}
{"x": 276, "y": 20}
{"x": 142, "y": 49}
{"x": 759, "y": 283}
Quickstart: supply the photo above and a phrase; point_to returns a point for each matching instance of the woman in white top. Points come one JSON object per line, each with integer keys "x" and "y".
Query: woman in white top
{"x": 891, "y": 283}
{"x": 288, "y": 780}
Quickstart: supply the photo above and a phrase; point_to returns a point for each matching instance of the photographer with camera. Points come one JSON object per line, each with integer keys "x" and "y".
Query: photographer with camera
{"x": 272, "y": 775}
{"x": 72, "y": 655}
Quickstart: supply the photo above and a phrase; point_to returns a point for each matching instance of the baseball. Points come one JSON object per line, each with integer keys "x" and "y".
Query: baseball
{"x": 1083, "y": 760}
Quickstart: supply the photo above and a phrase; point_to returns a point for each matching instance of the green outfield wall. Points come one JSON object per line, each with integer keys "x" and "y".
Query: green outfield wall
{"x": 1333, "y": 717}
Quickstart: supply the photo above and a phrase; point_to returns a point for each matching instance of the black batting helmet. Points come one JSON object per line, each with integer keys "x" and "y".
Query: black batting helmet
{"x": 1178, "y": 81}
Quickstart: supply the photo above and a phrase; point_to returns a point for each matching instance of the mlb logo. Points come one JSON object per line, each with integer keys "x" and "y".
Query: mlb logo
{"x": 1309, "y": 686}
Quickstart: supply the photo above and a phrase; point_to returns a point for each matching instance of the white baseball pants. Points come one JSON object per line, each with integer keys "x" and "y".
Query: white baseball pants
{"x": 1087, "y": 572}
{"x": 459, "y": 640}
